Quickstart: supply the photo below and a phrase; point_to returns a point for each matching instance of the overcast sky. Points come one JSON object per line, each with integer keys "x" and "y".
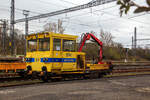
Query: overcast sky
{"x": 104, "y": 17}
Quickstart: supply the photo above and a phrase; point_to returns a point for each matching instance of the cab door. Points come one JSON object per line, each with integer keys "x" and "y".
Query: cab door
{"x": 69, "y": 55}
{"x": 57, "y": 55}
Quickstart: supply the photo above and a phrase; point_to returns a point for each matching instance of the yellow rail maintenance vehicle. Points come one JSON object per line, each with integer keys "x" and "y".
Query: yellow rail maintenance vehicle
{"x": 52, "y": 55}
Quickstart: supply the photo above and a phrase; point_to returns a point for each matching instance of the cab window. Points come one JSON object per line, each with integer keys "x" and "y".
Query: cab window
{"x": 32, "y": 45}
{"x": 57, "y": 44}
{"x": 44, "y": 44}
{"x": 69, "y": 45}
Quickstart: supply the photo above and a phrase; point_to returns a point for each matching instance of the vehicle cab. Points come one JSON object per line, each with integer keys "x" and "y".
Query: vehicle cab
{"x": 54, "y": 53}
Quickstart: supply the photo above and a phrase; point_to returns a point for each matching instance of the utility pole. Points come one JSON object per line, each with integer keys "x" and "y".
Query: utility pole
{"x": 12, "y": 23}
{"x": 26, "y": 14}
{"x": 132, "y": 42}
{"x": 4, "y": 36}
{"x": 135, "y": 38}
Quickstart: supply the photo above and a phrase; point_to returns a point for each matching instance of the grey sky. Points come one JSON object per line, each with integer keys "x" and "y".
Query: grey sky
{"x": 104, "y": 17}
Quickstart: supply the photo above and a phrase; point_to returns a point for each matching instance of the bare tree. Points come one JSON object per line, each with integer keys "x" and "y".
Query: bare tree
{"x": 106, "y": 38}
{"x": 54, "y": 27}
{"x": 60, "y": 27}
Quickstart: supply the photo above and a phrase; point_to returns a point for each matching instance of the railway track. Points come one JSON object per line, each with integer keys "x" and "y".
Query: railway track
{"x": 121, "y": 67}
{"x": 36, "y": 82}
{"x": 13, "y": 79}
{"x": 18, "y": 81}
{"x": 8, "y": 75}
{"x": 127, "y": 70}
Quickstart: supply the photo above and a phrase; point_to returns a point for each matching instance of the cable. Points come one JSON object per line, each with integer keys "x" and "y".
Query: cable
{"x": 8, "y": 10}
{"x": 125, "y": 18}
{"x": 90, "y": 12}
{"x": 29, "y": 11}
{"x": 20, "y": 9}
{"x": 79, "y": 15}
{"x": 35, "y": 25}
{"x": 137, "y": 45}
{"x": 45, "y": 2}
{"x": 68, "y": 2}
{"x": 82, "y": 14}
{"x": 138, "y": 15}
{"x": 69, "y": 22}
{"x": 5, "y": 9}
{"x": 86, "y": 13}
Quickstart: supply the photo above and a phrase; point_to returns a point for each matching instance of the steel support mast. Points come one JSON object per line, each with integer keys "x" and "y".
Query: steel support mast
{"x": 12, "y": 23}
{"x": 4, "y": 37}
{"x": 135, "y": 38}
{"x": 26, "y": 13}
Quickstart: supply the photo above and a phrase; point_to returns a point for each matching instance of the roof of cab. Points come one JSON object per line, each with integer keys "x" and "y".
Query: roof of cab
{"x": 51, "y": 34}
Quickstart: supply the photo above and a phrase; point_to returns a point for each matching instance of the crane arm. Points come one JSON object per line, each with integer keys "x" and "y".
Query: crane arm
{"x": 87, "y": 36}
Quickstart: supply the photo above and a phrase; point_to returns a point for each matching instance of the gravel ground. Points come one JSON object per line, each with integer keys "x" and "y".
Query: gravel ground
{"x": 121, "y": 88}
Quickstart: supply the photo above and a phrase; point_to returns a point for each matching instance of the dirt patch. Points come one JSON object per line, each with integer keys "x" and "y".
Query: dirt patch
{"x": 145, "y": 89}
{"x": 83, "y": 92}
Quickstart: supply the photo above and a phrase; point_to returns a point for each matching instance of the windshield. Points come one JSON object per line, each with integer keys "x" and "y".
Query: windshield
{"x": 44, "y": 44}
{"x": 69, "y": 45}
{"x": 32, "y": 45}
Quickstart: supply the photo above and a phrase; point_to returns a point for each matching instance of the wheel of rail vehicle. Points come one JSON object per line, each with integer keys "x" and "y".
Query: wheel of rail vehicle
{"x": 21, "y": 74}
{"x": 102, "y": 74}
{"x": 28, "y": 69}
{"x": 86, "y": 76}
{"x": 34, "y": 75}
{"x": 44, "y": 77}
{"x": 94, "y": 75}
